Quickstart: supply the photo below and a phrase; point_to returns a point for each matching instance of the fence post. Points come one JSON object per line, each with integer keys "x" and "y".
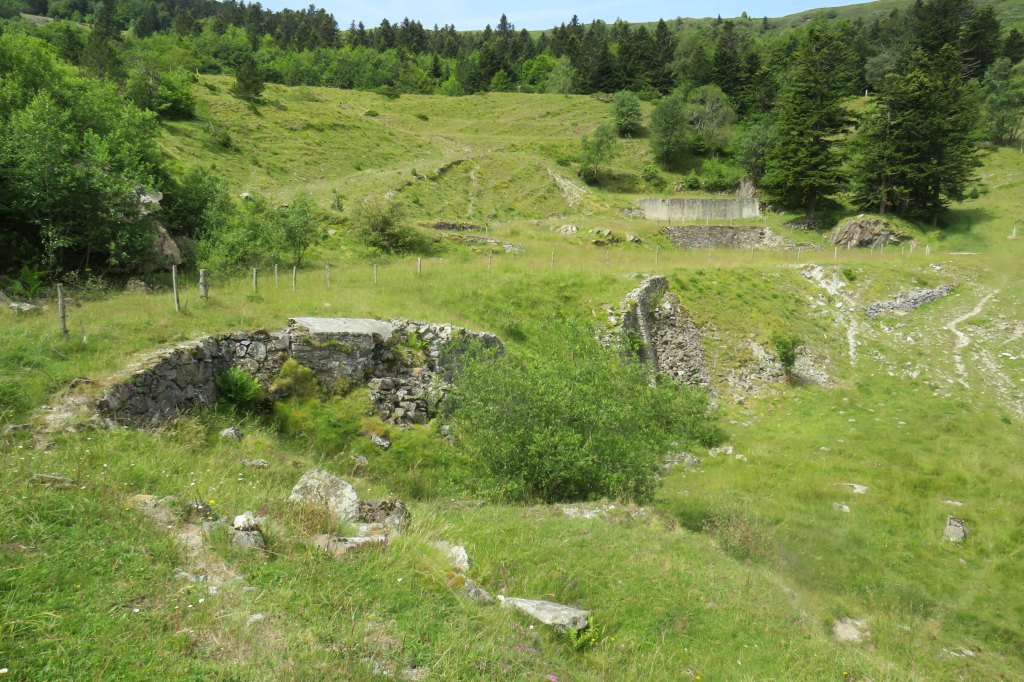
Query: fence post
{"x": 204, "y": 288}
{"x": 657, "y": 255}
{"x": 174, "y": 285}
{"x": 62, "y": 311}
{"x": 327, "y": 273}
{"x": 254, "y": 280}
{"x": 419, "y": 265}
{"x": 275, "y": 275}
{"x": 374, "y": 273}
{"x": 294, "y": 268}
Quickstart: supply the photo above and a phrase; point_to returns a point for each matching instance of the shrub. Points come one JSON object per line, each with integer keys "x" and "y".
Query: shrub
{"x": 653, "y": 177}
{"x": 294, "y": 379}
{"x": 574, "y": 422}
{"x": 596, "y": 149}
{"x": 239, "y": 389}
{"x": 379, "y": 222}
{"x": 785, "y": 347}
{"x": 670, "y": 130}
{"x": 626, "y": 114}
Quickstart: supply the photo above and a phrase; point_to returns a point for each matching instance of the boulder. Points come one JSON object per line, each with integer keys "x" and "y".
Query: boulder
{"x": 559, "y": 616}
{"x": 246, "y": 521}
{"x": 248, "y": 539}
{"x": 865, "y": 231}
{"x": 567, "y": 230}
{"x": 338, "y": 546}
{"x": 255, "y": 463}
{"x": 850, "y": 630}
{"x": 391, "y": 515}
{"x": 383, "y": 442}
{"x": 23, "y": 307}
{"x": 318, "y": 487}
{"x": 476, "y": 593}
{"x": 231, "y": 433}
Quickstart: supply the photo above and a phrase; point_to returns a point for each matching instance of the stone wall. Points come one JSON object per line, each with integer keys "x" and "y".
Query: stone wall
{"x": 700, "y": 209}
{"x": 404, "y": 362}
{"x": 668, "y": 339}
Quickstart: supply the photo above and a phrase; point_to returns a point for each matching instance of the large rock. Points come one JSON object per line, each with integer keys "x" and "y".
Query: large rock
{"x": 456, "y": 555}
{"x": 550, "y": 613}
{"x": 956, "y": 529}
{"x": 865, "y": 231}
{"x": 322, "y": 488}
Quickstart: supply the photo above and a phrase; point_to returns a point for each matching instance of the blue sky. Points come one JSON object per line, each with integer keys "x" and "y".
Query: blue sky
{"x": 541, "y": 14}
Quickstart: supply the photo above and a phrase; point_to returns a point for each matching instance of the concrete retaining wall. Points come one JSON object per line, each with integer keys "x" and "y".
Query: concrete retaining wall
{"x": 700, "y": 209}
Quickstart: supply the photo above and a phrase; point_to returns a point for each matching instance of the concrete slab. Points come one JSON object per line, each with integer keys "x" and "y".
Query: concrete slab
{"x": 343, "y": 325}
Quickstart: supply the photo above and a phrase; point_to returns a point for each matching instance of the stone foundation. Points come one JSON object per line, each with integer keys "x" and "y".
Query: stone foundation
{"x": 406, "y": 364}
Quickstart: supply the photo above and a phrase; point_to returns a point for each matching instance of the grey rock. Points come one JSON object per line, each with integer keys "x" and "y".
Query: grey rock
{"x": 476, "y": 593}
{"x": 383, "y": 442}
{"x": 254, "y": 618}
{"x": 322, "y": 488}
{"x": 956, "y": 529}
{"x": 23, "y": 307}
{"x": 456, "y": 555}
{"x": 907, "y": 301}
{"x": 248, "y": 539}
{"x": 850, "y": 630}
{"x": 550, "y": 613}
{"x": 360, "y": 462}
{"x": 255, "y": 463}
{"x": 839, "y": 506}
{"x": 391, "y": 514}
{"x": 56, "y": 481}
{"x": 338, "y": 546}
{"x": 567, "y": 230}
{"x": 343, "y": 326}
{"x": 199, "y": 510}
{"x": 246, "y": 521}
{"x": 231, "y": 433}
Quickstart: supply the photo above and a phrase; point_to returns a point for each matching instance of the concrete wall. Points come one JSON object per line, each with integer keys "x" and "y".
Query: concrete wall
{"x": 700, "y": 209}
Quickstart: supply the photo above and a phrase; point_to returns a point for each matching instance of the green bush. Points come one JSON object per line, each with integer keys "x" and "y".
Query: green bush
{"x": 653, "y": 177}
{"x": 574, "y": 422}
{"x": 626, "y": 114}
{"x": 785, "y": 347}
{"x": 379, "y": 223}
{"x": 239, "y": 389}
{"x": 294, "y": 379}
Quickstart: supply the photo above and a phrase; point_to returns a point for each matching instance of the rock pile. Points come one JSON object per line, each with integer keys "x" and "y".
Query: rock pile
{"x": 907, "y": 301}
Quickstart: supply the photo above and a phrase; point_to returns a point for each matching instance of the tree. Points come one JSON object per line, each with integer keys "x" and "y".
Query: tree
{"x": 913, "y": 151}
{"x": 803, "y": 167}
{"x": 979, "y": 41}
{"x": 1003, "y": 99}
{"x": 670, "y": 130}
{"x": 249, "y": 81}
{"x": 596, "y": 149}
{"x": 627, "y": 114}
{"x": 1013, "y": 47}
{"x": 751, "y": 146}
{"x": 563, "y": 78}
{"x": 710, "y": 113}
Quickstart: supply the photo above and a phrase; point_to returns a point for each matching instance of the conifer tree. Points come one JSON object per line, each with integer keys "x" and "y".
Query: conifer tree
{"x": 804, "y": 167}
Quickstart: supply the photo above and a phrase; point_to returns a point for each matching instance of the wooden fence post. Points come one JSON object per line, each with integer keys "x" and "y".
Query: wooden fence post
{"x": 374, "y": 273}
{"x": 419, "y": 265}
{"x": 204, "y": 287}
{"x": 294, "y": 268}
{"x": 254, "y": 280}
{"x": 327, "y": 273}
{"x": 275, "y": 275}
{"x": 62, "y": 311}
{"x": 174, "y": 285}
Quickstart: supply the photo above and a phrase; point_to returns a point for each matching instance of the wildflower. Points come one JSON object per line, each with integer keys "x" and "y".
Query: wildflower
{"x": 551, "y": 678}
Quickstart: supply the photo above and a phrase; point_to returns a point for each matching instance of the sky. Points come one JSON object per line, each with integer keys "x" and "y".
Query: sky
{"x": 470, "y": 15}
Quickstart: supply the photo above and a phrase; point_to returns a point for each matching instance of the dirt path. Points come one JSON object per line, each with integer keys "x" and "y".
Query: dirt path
{"x": 963, "y": 339}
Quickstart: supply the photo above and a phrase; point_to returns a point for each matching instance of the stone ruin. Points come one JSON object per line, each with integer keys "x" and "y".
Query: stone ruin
{"x": 668, "y": 339}
{"x": 728, "y": 237}
{"x": 406, "y": 364}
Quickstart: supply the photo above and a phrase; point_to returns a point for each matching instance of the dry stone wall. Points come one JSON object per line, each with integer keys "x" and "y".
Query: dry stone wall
{"x": 667, "y": 337}
{"x": 406, "y": 364}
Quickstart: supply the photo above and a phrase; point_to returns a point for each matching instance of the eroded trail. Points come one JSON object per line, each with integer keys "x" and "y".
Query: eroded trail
{"x": 963, "y": 339}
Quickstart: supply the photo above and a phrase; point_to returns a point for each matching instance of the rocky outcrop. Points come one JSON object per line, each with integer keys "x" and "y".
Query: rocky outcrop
{"x": 407, "y": 363}
{"x": 477, "y": 240}
{"x": 907, "y": 301}
{"x": 658, "y": 329}
{"x": 559, "y": 616}
{"x": 324, "y": 489}
{"x": 865, "y": 231}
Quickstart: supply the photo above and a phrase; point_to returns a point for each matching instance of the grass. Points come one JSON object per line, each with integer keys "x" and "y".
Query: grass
{"x": 737, "y": 571}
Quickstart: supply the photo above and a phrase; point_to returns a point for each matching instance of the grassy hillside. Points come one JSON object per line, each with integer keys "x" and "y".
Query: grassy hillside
{"x": 739, "y": 569}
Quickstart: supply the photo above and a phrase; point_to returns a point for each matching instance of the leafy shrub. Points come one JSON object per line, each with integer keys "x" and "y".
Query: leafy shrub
{"x": 849, "y": 274}
{"x": 626, "y": 114}
{"x": 379, "y": 223}
{"x": 716, "y": 176}
{"x": 653, "y": 177}
{"x": 785, "y": 347}
{"x": 239, "y": 389}
{"x": 574, "y": 422}
{"x": 372, "y": 113}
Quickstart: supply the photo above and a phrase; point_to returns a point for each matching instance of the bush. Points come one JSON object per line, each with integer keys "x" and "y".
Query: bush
{"x": 653, "y": 177}
{"x": 379, "y": 223}
{"x": 596, "y": 149}
{"x": 785, "y": 347}
{"x": 239, "y": 389}
{"x": 574, "y": 422}
{"x": 627, "y": 114}
{"x": 670, "y": 130}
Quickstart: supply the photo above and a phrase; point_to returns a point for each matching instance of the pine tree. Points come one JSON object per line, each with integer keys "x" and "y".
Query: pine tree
{"x": 804, "y": 167}
{"x": 249, "y": 81}
{"x": 1013, "y": 47}
{"x": 913, "y": 152}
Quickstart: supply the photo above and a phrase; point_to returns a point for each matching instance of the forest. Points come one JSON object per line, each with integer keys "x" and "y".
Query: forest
{"x": 83, "y": 95}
